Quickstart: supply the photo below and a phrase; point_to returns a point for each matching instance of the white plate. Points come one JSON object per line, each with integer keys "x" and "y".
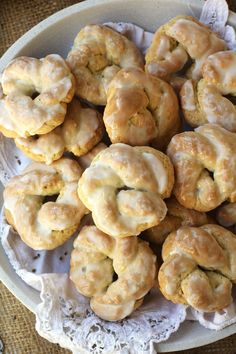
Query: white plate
{"x": 55, "y": 35}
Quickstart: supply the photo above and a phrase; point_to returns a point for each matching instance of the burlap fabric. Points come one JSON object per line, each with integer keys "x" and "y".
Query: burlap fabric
{"x": 16, "y": 322}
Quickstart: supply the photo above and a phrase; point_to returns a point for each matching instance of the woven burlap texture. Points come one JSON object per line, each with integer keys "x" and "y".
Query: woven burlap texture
{"x": 17, "y": 329}
{"x": 17, "y": 324}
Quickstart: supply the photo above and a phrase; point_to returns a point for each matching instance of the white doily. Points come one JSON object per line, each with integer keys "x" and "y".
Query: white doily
{"x": 64, "y": 316}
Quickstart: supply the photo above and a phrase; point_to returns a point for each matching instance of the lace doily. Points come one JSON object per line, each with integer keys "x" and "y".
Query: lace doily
{"x": 64, "y": 315}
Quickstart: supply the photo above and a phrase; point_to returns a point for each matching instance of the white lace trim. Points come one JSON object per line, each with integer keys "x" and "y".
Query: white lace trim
{"x": 64, "y": 316}
{"x": 85, "y": 331}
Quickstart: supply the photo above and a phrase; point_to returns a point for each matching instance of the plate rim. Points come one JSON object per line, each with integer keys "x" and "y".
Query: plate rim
{"x": 19, "y": 289}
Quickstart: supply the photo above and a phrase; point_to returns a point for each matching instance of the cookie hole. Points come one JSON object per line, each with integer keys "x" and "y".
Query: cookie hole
{"x": 211, "y": 174}
{"x": 186, "y": 67}
{"x": 34, "y": 95}
{"x": 115, "y": 277}
{"x": 208, "y": 269}
{"x": 124, "y": 188}
{"x": 231, "y": 98}
{"x": 106, "y": 140}
{"x": 50, "y": 198}
{"x": 35, "y": 137}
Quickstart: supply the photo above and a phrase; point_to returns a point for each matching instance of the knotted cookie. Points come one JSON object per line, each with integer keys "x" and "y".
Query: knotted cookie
{"x": 141, "y": 109}
{"x": 199, "y": 267}
{"x": 181, "y": 38}
{"x": 98, "y": 53}
{"x": 124, "y": 187}
{"x": 204, "y": 101}
{"x": 35, "y": 95}
{"x": 205, "y": 163}
{"x": 81, "y": 131}
{"x": 42, "y": 223}
{"x": 95, "y": 260}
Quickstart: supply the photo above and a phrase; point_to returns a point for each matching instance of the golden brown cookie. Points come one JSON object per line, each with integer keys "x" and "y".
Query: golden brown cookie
{"x": 205, "y": 101}
{"x": 42, "y": 203}
{"x": 82, "y": 129}
{"x": 141, "y": 109}
{"x": 97, "y": 55}
{"x": 50, "y": 80}
{"x": 181, "y": 38}
{"x": 124, "y": 187}
{"x": 205, "y": 165}
{"x": 95, "y": 260}
{"x": 199, "y": 267}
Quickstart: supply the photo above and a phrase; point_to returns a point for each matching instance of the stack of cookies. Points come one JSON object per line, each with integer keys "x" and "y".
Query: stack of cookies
{"x": 106, "y": 129}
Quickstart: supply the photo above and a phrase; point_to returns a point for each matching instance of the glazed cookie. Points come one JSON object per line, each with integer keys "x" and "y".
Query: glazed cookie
{"x": 124, "y": 187}
{"x": 199, "y": 267}
{"x": 205, "y": 165}
{"x": 177, "y": 216}
{"x": 141, "y": 109}
{"x": 181, "y": 38}
{"x": 97, "y": 55}
{"x": 205, "y": 101}
{"x": 42, "y": 222}
{"x": 95, "y": 260}
{"x": 52, "y": 84}
{"x": 81, "y": 131}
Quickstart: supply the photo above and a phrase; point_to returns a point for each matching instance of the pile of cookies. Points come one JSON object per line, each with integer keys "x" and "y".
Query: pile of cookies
{"x": 105, "y": 130}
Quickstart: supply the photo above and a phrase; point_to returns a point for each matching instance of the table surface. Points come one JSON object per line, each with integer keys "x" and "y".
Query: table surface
{"x": 17, "y": 324}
